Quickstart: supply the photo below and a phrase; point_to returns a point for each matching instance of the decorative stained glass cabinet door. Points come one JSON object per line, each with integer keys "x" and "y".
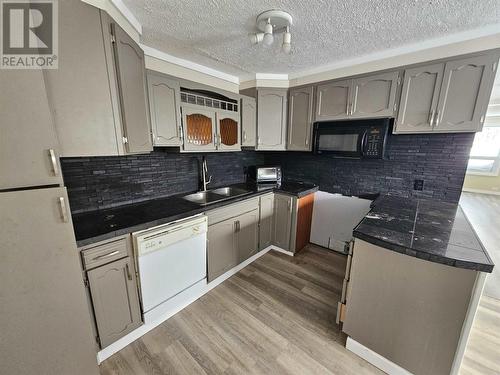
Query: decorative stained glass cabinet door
{"x": 228, "y": 131}
{"x": 199, "y": 129}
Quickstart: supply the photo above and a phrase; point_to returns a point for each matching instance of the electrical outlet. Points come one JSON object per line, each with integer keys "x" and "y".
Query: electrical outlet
{"x": 418, "y": 184}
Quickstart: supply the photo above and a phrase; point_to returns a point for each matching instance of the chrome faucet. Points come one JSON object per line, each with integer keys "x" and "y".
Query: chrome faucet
{"x": 204, "y": 171}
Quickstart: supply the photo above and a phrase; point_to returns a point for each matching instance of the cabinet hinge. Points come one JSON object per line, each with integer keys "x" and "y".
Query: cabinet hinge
{"x": 395, "y": 107}
{"x": 98, "y": 340}
{"x": 399, "y": 80}
{"x": 86, "y": 283}
{"x": 113, "y": 39}
{"x": 125, "y": 139}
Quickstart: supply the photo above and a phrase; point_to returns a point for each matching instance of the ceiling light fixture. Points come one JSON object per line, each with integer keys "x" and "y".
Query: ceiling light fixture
{"x": 270, "y": 23}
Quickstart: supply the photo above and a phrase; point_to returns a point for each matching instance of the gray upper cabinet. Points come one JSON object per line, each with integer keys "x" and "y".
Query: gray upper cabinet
{"x": 266, "y": 221}
{"x": 132, "y": 91}
{"x": 448, "y": 97}
{"x": 271, "y": 119}
{"x": 282, "y": 220}
{"x": 333, "y": 100}
{"x": 248, "y": 121}
{"x": 374, "y": 96}
{"x": 419, "y": 98}
{"x": 300, "y": 109}
{"x": 115, "y": 300}
{"x": 247, "y": 234}
{"x": 79, "y": 89}
{"x": 164, "y": 107}
{"x": 29, "y": 153}
{"x": 465, "y": 94}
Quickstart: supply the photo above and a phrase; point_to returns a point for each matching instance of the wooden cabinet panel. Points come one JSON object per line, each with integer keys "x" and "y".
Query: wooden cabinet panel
{"x": 266, "y": 227}
{"x": 282, "y": 220}
{"x": 247, "y": 234}
{"x": 374, "y": 96}
{"x": 221, "y": 248}
{"x": 271, "y": 124}
{"x": 199, "y": 129}
{"x": 248, "y": 121}
{"x": 131, "y": 77}
{"x": 46, "y": 326}
{"x": 333, "y": 100}
{"x": 300, "y": 119}
{"x": 164, "y": 106}
{"x": 228, "y": 131}
{"x": 115, "y": 299}
{"x": 419, "y": 98}
{"x": 27, "y": 133}
{"x": 304, "y": 218}
{"x": 465, "y": 93}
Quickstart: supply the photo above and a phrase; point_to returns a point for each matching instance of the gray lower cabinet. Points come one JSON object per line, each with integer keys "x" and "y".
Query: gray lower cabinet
{"x": 248, "y": 121}
{"x": 282, "y": 220}
{"x": 247, "y": 234}
{"x": 221, "y": 245}
{"x": 266, "y": 227}
{"x": 111, "y": 276}
{"x": 271, "y": 119}
{"x": 447, "y": 97}
{"x": 300, "y": 110}
{"x": 165, "y": 110}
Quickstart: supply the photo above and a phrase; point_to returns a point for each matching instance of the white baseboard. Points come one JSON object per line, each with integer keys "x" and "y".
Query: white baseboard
{"x": 171, "y": 307}
{"x": 375, "y": 359}
{"x": 280, "y": 250}
{"x": 481, "y": 191}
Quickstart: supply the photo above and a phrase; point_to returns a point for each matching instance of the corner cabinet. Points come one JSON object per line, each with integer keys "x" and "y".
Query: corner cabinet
{"x": 363, "y": 97}
{"x": 271, "y": 119}
{"x": 165, "y": 110}
{"x": 300, "y": 112}
{"x": 447, "y": 97}
{"x": 248, "y": 121}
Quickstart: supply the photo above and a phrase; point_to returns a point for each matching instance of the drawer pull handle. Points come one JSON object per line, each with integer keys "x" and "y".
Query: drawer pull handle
{"x": 64, "y": 210}
{"x": 107, "y": 255}
{"x": 129, "y": 275}
{"x": 53, "y": 160}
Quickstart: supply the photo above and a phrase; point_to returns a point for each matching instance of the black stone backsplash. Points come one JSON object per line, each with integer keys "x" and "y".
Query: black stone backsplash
{"x": 438, "y": 159}
{"x": 102, "y": 182}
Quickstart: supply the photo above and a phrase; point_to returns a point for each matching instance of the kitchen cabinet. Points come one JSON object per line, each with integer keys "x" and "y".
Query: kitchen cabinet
{"x": 199, "y": 129}
{"x": 130, "y": 73}
{"x": 221, "y": 248}
{"x": 165, "y": 110}
{"x": 248, "y": 121}
{"x": 266, "y": 203}
{"x": 111, "y": 279}
{"x": 29, "y": 151}
{"x": 300, "y": 110}
{"x": 447, "y": 97}
{"x": 363, "y": 97}
{"x": 271, "y": 119}
{"x": 228, "y": 131}
{"x": 247, "y": 234}
{"x": 282, "y": 220}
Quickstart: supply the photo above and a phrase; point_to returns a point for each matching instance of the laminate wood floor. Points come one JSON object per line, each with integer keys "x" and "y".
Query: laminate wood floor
{"x": 276, "y": 316}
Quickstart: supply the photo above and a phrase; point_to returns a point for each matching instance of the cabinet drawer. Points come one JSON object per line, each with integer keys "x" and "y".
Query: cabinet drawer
{"x": 105, "y": 253}
{"x": 224, "y": 213}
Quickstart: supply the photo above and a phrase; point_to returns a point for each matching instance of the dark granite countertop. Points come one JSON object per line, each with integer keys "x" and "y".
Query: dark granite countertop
{"x": 95, "y": 226}
{"x": 427, "y": 229}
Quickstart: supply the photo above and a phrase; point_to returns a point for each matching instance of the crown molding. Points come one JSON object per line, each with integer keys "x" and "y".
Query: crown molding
{"x": 128, "y": 15}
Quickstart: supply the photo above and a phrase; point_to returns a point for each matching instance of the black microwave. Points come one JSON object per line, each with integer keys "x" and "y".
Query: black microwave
{"x": 362, "y": 139}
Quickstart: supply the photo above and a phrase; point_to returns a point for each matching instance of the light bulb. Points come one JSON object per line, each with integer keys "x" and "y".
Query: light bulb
{"x": 287, "y": 39}
{"x": 268, "y": 34}
{"x": 256, "y": 38}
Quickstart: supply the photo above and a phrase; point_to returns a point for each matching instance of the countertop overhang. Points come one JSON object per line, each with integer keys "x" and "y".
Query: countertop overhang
{"x": 427, "y": 229}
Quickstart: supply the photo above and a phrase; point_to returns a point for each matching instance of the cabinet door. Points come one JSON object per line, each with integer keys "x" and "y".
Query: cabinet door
{"x": 282, "y": 220}
{"x": 271, "y": 124}
{"x": 28, "y": 145}
{"x": 247, "y": 234}
{"x": 374, "y": 96}
{"x": 419, "y": 99}
{"x": 465, "y": 93}
{"x": 115, "y": 298}
{"x": 333, "y": 100}
{"x": 131, "y": 76}
{"x": 300, "y": 119}
{"x": 248, "y": 121}
{"x": 266, "y": 221}
{"x": 228, "y": 131}
{"x": 199, "y": 129}
{"x": 43, "y": 306}
{"x": 221, "y": 248}
{"x": 79, "y": 89}
{"x": 165, "y": 110}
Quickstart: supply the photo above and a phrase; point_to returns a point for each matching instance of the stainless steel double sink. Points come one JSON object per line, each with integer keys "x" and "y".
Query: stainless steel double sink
{"x": 204, "y": 198}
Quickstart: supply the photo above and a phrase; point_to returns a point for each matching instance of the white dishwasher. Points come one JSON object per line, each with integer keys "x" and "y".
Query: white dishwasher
{"x": 170, "y": 259}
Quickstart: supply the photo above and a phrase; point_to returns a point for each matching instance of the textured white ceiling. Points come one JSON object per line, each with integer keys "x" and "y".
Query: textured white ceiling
{"x": 214, "y": 33}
